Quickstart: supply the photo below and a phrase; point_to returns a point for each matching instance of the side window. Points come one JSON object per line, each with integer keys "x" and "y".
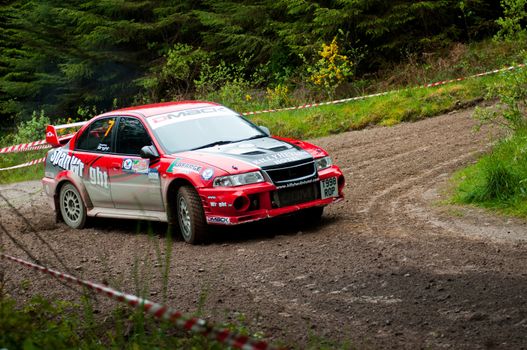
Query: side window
{"x": 131, "y": 136}
{"x": 98, "y": 136}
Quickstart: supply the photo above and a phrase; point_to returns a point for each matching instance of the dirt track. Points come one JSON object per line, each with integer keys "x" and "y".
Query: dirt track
{"x": 388, "y": 267}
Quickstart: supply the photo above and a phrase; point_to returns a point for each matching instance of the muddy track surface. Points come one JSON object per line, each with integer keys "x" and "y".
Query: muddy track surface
{"x": 389, "y": 267}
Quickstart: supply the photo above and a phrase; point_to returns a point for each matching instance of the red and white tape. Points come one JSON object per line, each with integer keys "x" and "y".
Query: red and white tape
{"x": 187, "y": 323}
{"x": 439, "y": 83}
{"x": 30, "y": 163}
{"x": 42, "y": 144}
{"x": 31, "y": 146}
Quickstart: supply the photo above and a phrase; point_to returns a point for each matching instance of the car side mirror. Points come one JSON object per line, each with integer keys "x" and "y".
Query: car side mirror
{"x": 265, "y": 130}
{"x": 149, "y": 152}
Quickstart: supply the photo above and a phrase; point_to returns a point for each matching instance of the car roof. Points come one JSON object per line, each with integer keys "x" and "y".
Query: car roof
{"x": 166, "y": 107}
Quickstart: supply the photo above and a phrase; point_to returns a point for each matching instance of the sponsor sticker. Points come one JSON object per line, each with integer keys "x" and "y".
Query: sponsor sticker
{"x": 207, "y": 174}
{"x": 139, "y": 166}
{"x": 280, "y": 158}
{"x": 179, "y": 165}
{"x": 67, "y": 162}
{"x": 103, "y": 147}
{"x": 220, "y": 204}
{"x": 298, "y": 183}
{"x": 127, "y": 164}
{"x": 218, "y": 220}
{"x": 178, "y": 116}
{"x": 98, "y": 177}
{"x": 153, "y": 174}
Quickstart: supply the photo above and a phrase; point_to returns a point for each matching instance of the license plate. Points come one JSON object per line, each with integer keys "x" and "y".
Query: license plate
{"x": 329, "y": 188}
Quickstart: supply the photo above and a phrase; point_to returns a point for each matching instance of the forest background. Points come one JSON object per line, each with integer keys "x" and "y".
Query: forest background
{"x": 79, "y": 57}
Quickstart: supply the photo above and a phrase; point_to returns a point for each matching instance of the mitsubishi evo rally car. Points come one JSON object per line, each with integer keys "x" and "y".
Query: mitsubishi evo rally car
{"x": 191, "y": 164}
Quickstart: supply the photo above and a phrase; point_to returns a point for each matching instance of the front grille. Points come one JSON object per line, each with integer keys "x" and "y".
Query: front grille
{"x": 295, "y": 195}
{"x": 291, "y": 173}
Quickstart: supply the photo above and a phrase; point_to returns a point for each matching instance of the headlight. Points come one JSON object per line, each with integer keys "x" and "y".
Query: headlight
{"x": 323, "y": 163}
{"x": 238, "y": 180}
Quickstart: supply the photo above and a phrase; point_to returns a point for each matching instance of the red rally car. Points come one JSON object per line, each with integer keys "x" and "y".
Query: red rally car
{"x": 191, "y": 164}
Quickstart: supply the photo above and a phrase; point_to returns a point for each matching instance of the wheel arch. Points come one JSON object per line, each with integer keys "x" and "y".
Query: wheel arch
{"x": 171, "y": 194}
{"x": 78, "y": 185}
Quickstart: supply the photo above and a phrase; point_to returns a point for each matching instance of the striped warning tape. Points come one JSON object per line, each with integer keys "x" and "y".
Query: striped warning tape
{"x": 34, "y": 145}
{"x": 187, "y": 323}
{"x": 30, "y": 163}
{"x": 439, "y": 83}
{"x": 30, "y": 146}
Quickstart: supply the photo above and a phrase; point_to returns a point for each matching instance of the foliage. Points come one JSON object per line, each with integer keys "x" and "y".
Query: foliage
{"x": 175, "y": 77}
{"x": 278, "y": 96}
{"x": 224, "y": 83}
{"x": 33, "y": 129}
{"x": 41, "y": 324}
{"x": 332, "y": 69}
{"x": 512, "y": 25}
{"x": 59, "y": 55}
{"x": 391, "y": 109}
{"x": 511, "y": 110}
{"x": 499, "y": 179}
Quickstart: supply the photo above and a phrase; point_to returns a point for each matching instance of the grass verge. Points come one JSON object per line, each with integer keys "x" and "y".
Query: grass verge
{"x": 41, "y": 324}
{"x": 407, "y": 105}
{"x": 498, "y": 180}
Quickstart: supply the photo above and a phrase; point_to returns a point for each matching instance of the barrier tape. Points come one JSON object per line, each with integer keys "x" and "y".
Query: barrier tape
{"x": 42, "y": 144}
{"x": 187, "y": 323}
{"x": 439, "y": 83}
{"x": 31, "y": 146}
{"x": 30, "y": 163}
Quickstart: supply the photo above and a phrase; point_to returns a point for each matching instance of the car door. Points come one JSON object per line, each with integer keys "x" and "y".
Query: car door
{"x": 94, "y": 147}
{"x": 135, "y": 180}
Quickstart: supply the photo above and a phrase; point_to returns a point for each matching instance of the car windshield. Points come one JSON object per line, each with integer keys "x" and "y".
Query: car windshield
{"x": 183, "y": 134}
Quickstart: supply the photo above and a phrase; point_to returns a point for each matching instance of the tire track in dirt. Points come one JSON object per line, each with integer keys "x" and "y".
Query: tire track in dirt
{"x": 386, "y": 268}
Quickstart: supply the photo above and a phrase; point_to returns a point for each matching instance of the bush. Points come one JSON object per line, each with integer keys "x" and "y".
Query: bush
{"x": 498, "y": 180}
{"x": 33, "y": 129}
{"x": 512, "y": 25}
{"x": 510, "y": 111}
{"x": 331, "y": 70}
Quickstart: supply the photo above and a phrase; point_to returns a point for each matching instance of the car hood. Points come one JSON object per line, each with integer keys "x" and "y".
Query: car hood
{"x": 262, "y": 153}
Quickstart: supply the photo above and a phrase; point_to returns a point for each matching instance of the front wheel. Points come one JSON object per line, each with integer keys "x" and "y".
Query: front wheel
{"x": 72, "y": 207}
{"x": 190, "y": 215}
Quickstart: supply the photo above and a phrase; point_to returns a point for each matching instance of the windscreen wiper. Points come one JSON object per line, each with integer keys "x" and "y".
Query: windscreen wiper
{"x": 253, "y": 137}
{"x": 215, "y": 143}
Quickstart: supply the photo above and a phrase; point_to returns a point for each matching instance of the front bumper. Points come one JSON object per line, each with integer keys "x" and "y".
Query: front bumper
{"x": 237, "y": 205}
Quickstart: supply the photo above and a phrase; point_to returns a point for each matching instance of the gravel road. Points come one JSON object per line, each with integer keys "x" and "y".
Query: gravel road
{"x": 391, "y": 266}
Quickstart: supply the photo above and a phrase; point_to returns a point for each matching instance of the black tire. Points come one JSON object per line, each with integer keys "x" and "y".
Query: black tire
{"x": 72, "y": 207}
{"x": 190, "y": 215}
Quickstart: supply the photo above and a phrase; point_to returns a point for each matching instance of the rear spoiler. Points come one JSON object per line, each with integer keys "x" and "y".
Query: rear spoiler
{"x": 52, "y": 137}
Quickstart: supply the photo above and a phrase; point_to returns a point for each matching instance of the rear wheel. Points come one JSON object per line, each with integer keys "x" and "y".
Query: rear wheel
{"x": 190, "y": 215}
{"x": 72, "y": 207}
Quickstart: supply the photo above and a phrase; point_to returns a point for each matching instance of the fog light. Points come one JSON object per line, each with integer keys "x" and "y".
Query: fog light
{"x": 241, "y": 203}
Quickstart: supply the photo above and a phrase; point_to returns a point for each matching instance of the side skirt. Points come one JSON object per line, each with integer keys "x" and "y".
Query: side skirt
{"x": 128, "y": 214}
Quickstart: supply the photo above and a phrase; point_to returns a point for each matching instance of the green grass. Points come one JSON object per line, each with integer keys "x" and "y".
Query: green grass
{"x": 34, "y": 172}
{"x": 408, "y": 105}
{"x": 41, "y": 324}
{"x": 498, "y": 180}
